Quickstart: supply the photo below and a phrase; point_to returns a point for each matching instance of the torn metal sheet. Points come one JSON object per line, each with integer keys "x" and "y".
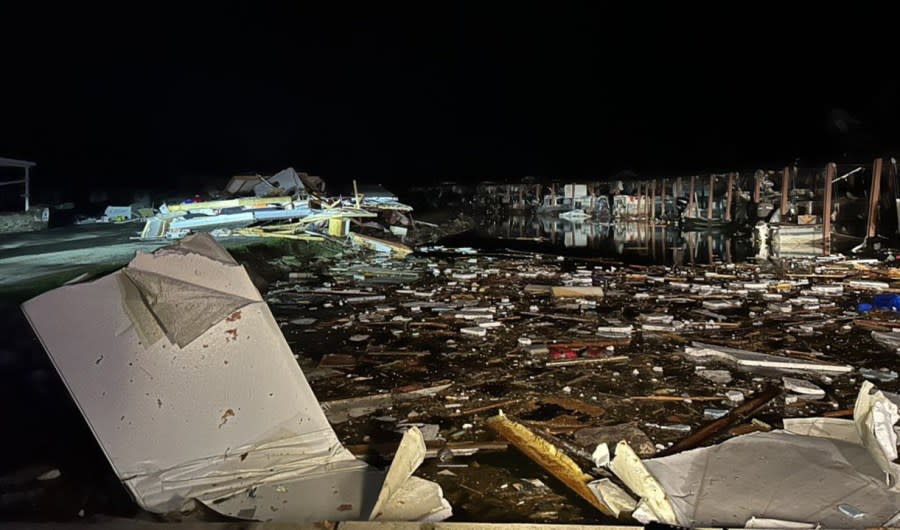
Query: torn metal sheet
{"x": 407, "y": 498}
{"x": 875, "y": 415}
{"x": 285, "y": 182}
{"x": 803, "y": 474}
{"x": 655, "y": 504}
{"x": 610, "y": 494}
{"x": 699, "y": 350}
{"x": 774, "y": 475}
{"x": 226, "y": 419}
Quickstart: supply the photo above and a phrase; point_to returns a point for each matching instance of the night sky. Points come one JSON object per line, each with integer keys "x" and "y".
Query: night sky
{"x": 152, "y": 96}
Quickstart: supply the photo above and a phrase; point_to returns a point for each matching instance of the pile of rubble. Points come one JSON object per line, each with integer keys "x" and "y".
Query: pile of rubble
{"x": 287, "y": 205}
{"x": 529, "y": 387}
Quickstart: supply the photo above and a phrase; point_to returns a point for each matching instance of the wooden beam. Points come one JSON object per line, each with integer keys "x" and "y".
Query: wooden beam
{"x": 737, "y": 414}
{"x": 662, "y": 212}
{"x": 874, "y": 195}
{"x": 691, "y": 197}
{"x": 785, "y": 190}
{"x": 653, "y": 200}
{"x": 642, "y": 203}
{"x": 645, "y": 190}
{"x": 709, "y": 199}
{"x": 830, "y": 170}
{"x": 728, "y": 197}
{"x": 756, "y": 188}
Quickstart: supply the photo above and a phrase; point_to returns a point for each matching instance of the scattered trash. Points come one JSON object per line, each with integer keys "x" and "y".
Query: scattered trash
{"x": 716, "y": 376}
{"x": 600, "y": 455}
{"x": 882, "y": 375}
{"x": 805, "y": 388}
{"x": 583, "y": 352}
{"x": 735, "y": 396}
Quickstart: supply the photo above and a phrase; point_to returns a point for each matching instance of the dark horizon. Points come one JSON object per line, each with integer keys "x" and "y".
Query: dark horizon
{"x": 154, "y": 99}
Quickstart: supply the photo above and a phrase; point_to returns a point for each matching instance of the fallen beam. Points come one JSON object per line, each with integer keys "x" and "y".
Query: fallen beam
{"x": 548, "y": 457}
{"x": 741, "y": 413}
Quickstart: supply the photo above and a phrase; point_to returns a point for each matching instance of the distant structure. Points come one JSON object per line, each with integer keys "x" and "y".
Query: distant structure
{"x": 26, "y": 166}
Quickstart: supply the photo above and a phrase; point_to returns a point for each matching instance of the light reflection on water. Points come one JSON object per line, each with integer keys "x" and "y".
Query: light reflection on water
{"x": 632, "y": 242}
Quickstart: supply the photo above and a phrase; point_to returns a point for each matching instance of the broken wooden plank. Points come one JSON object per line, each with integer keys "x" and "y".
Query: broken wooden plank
{"x": 840, "y": 413}
{"x": 483, "y": 408}
{"x": 398, "y": 353}
{"x": 433, "y": 448}
{"x": 548, "y": 457}
{"x": 559, "y": 317}
{"x": 602, "y": 343}
{"x": 576, "y": 292}
{"x": 588, "y": 360}
{"x": 674, "y": 398}
{"x": 741, "y": 413}
{"x": 576, "y": 405}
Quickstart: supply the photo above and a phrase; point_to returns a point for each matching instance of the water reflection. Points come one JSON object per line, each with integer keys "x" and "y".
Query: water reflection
{"x": 632, "y": 242}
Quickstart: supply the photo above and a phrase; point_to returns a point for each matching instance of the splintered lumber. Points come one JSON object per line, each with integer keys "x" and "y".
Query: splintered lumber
{"x": 432, "y": 448}
{"x": 558, "y": 317}
{"x": 576, "y": 292}
{"x": 741, "y": 413}
{"x": 674, "y": 398}
{"x": 602, "y": 343}
{"x": 588, "y": 360}
{"x": 483, "y": 408}
{"x": 576, "y": 405}
{"x": 548, "y": 457}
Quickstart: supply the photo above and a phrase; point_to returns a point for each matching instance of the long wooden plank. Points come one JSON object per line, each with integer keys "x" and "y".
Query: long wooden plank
{"x": 549, "y": 457}
{"x": 576, "y": 292}
{"x": 709, "y": 430}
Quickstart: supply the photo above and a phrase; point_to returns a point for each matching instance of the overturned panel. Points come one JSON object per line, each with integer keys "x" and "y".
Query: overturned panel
{"x": 210, "y": 407}
{"x": 775, "y": 475}
{"x": 819, "y": 471}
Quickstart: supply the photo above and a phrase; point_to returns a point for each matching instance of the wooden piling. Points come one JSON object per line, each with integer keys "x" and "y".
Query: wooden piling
{"x": 756, "y": 188}
{"x": 785, "y": 190}
{"x": 691, "y": 197}
{"x": 826, "y": 209}
{"x": 874, "y": 195}
{"x": 709, "y": 199}
{"x": 728, "y": 197}
{"x": 662, "y": 212}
